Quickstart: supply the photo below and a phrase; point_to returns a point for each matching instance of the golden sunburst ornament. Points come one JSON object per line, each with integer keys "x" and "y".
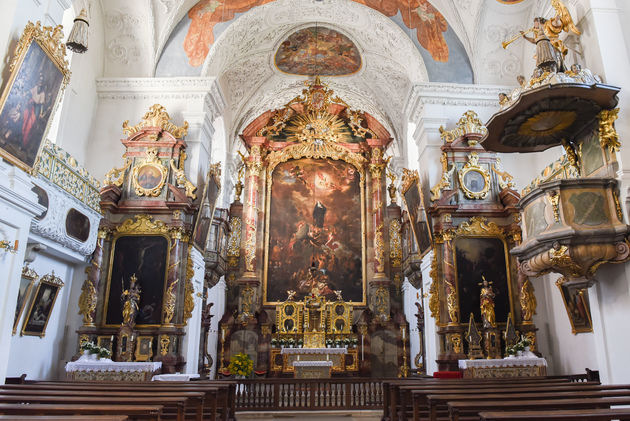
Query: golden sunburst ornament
{"x": 318, "y": 128}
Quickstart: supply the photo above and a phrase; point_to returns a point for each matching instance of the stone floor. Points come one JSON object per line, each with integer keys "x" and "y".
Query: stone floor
{"x": 337, "y": 415}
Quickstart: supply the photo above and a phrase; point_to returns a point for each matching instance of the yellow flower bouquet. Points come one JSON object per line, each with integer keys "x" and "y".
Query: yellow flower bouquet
{"x": 241, "y": 365}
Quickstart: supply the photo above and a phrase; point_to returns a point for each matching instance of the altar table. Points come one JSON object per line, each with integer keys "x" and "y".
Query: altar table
{"x": 100, "y": 371}
{"x": 312, "y": 369}
{"x": 503, "y": 368}
{"x": 334, "y": 355}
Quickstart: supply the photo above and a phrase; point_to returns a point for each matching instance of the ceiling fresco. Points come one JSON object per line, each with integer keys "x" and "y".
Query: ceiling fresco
{"x": 443, "y": 52}
{"x": 318, "y": 51}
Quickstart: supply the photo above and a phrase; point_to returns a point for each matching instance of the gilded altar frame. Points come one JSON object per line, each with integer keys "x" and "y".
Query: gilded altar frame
{"x": 478, "y": 228}
{"x": 138, "y": 226}
{"x": 328, "y": 150}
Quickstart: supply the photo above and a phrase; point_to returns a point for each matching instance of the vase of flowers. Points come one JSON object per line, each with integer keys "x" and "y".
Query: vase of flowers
{"x": 329, "y": 343}
{"x": 300, "y": 343}
{"x": 274, "y": 343}
{"x": 241, "y": 365}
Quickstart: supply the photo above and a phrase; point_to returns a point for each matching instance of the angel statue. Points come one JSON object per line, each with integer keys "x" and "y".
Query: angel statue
{"x": 486, "y": 302}
{"x": 550, "y": 49}
{"x": 130, "y": 298}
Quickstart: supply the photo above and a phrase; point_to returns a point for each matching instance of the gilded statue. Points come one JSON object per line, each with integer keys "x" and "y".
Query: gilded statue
{"x": 486, "y": 301}
{"x": 87, "y": 302}
{"x": 528, "y": 301}
{"x": 130, "y": 298}
{"x": 550, "y": 49}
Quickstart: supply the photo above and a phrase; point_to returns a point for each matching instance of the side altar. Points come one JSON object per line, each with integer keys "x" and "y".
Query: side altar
{"x": 313, "y": 326}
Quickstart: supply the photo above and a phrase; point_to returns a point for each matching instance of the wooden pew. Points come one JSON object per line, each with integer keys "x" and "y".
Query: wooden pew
{"x": 622, "y": 414}
{"x": 459, "y": 409}
{"x": 421, "y": 400}
{"x": 196, "y": 399}
{"x": 435, "y": 402}
{"x": 215, "y": 392}
{"x": 134, "y": 412}
{"x": 399, "y": 391}
{"x": 173, "y": 404}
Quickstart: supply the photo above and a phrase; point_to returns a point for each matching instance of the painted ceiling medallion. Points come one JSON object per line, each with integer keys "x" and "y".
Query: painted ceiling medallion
{"x": 318, "y": 51}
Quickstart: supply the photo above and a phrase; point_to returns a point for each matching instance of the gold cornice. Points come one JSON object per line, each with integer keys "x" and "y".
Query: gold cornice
{"x": 479, "y": 226}
{"x": 315, "y": 150}
{"x": 157, "y": 117}
{"x": 142, "y": 224}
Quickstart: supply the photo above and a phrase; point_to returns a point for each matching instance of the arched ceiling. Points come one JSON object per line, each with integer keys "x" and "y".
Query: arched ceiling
{"x": 241, "y": 57}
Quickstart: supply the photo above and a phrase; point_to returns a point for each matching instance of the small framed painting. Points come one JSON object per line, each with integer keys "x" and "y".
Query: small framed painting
{"x": 207, "y": 206}
{"x": 28, "y": 279}
{"x": 42, "y": 306}
{"x": 577, "y": 304}
{"x": 144, "y": 348}
{"x": 38, "y": 75}
{"x": 418, "y": 218}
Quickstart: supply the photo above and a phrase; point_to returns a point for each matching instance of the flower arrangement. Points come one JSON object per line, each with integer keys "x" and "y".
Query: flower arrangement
{"x": 346, "y": 342}
{"x": 520, "y": 346}
{"x": 241, "y": 365}
{"x": 355, "y": 342}
{"x": 300, "y": 343}
{"x": 329, "y": 343}
{"x": 91, "y": 348}
{"x": 274, "y": 343}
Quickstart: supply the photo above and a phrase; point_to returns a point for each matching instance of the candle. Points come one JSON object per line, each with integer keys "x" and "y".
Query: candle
{"x": 112, "y": 338}
{"x": 403, "y": 331}
{"x": 362, "y": 349}
{"x": 222, "y": 335}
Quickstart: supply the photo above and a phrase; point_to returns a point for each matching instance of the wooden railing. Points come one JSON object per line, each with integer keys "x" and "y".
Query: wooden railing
{"x": 305, "y": 394}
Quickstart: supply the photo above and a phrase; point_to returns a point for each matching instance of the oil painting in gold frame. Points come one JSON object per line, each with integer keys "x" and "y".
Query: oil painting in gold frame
{"x": 144, "y": 348}
{"x": 207, "y": 206}
{"x": 577, "y": 305}
{"x": 42, "y": 306}
{"x": 418, "y": 217}
{"x": 305, "y": 227}
{"x": 28, "y": 279}
{"x": 39, "y": 73}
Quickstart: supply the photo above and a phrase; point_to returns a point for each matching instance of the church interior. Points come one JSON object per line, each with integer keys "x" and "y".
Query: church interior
{"x": 363, "y": 209}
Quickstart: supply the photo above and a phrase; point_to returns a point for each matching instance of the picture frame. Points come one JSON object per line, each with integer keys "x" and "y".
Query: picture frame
{"x": 42, "y": 306}
{"x": 39, "y": 73}
{"x": 27, "y": 281}
{"x": 144, "y": 348}
{"x": 577, "y": 305}
{"x": 106, "y": 342}
{"x": 207, "y": 206}
{"x": 411, "y": 192}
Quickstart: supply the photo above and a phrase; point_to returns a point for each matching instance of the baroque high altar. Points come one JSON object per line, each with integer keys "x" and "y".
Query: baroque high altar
{"x": 314, "y": 223}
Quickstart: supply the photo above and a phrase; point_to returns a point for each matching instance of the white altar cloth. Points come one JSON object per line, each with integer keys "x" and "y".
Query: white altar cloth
{"x": 504, "y": 362}
{"x": 112, "y": 366}
{"x": 311, "y": 351}
{"x": 312, "y": 363}
{"x": 177, "y": 377}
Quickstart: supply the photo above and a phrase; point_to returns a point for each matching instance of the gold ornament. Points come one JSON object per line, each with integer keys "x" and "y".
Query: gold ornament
{"x": 474, "y": 166}
{"x": 467, "y": 124}
{"x": 445, "y": 181}
{"x": 165, "y": 341}
{"x": 180, "y": 176}
{"x": 528, "y": 301}
{"x": 608, "y": 136}
{"x": 87, "y": 302}
{"x": 395, "y": 243}
{"x": 153, "y": 161}
{"x": 157, "y": 117}
{"x": 506, "y": 180}
{"x": 189, "y": 288}
{"x": 169, "y": 303}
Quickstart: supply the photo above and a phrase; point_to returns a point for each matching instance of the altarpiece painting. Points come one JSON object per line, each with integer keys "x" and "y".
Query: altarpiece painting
{"x": 315, "y": 220}
{"x": 144, "y": 256}
{"x": 477, "y": 258}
